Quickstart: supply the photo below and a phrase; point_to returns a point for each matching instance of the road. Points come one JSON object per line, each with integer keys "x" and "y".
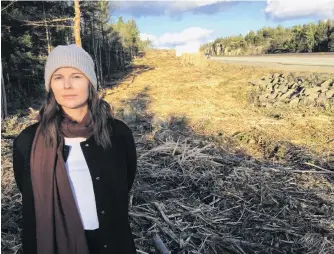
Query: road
{"x": 299, "y": 62}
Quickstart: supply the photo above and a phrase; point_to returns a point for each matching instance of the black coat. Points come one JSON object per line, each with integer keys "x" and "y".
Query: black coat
{"x": 113, "y": 172}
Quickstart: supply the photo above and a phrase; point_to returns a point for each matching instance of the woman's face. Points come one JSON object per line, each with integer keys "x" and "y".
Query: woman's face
{"x": 70, "y": 87}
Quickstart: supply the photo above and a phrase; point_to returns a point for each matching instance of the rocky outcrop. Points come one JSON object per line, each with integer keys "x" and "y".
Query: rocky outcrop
{"x": 280, "y": 89}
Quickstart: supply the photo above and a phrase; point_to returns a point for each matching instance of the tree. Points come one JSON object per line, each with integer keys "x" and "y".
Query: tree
{"x": 321, "y": 37}
{"x": 300, "y": 38}
{"x": 145, "y": 45}
{"x": 307, "y": 42}
{"x": 76, "y": 27}
{"x": 250, "y": 37}
{"x": 330, "y": 34}
{"x": 331, "y": 42}
{"x": 3, "y": 97}
{"x": 30, "y": 29}
{"x": 258, "y": 39}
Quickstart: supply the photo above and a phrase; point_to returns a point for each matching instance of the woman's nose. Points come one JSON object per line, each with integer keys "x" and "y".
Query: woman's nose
{"x": 67, "y": 83}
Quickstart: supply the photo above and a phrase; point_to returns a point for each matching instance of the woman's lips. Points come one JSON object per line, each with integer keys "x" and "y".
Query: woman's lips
{"x": 70, "y": 96}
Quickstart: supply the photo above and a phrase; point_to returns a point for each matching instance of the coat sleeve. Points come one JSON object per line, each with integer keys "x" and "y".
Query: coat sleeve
{"x": 131, "y": 158}
{"x": 18, "y": 164}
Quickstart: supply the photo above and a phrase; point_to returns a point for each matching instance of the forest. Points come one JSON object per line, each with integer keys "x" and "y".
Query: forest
{"x": 30, "y": 29}
{"x": 311, "y": 37}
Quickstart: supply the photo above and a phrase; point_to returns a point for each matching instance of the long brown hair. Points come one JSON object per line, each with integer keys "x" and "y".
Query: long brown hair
{"x": 51, "y": 116}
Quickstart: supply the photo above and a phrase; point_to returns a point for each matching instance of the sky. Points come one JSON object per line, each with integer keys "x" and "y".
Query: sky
{"x": 188, "y": 24}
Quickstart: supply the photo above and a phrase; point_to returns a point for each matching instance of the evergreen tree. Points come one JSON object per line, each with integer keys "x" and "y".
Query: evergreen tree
{"x": 30, "y": 29}
{"x": 310, "y": 37}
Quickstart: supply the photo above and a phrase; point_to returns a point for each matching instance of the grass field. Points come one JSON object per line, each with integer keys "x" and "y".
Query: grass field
{"x": 213, "y": 100}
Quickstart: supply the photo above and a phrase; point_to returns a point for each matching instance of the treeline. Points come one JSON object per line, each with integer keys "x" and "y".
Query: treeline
{"x": 309, "y": 37}
{"x": 30, "y": 29}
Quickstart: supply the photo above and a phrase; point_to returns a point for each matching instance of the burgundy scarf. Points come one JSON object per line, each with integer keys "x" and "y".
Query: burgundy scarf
{"x": 59, "y": 229}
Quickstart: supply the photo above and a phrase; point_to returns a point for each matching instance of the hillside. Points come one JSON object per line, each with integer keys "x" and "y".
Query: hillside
{"x": 311, "y": 37}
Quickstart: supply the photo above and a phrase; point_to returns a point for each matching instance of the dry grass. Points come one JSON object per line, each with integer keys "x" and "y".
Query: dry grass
{"x": 215, "y": 175}
{"x": 214, "y": 99}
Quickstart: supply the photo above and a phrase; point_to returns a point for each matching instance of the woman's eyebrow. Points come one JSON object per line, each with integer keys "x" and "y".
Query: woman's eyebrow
{"x": 58, "y": 74}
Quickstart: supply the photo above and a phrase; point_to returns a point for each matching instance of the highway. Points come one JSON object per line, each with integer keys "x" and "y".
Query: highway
{"x": 299, "y": 62}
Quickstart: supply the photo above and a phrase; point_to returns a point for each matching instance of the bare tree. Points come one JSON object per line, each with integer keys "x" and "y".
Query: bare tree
{"x": 47, "y": 32}
{"x": 77, "y": 23}
{"x": 4, "y": 113}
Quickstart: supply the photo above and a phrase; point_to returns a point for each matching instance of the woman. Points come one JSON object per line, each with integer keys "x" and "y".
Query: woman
{"x": 75, "y": 166}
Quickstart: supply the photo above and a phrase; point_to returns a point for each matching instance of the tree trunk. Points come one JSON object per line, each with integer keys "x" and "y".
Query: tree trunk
{"x": 101, "y": 69}
{"x": 94, "y": 47}
{"x": 77, "y": 23}
{"x": 4, "y": 113}
{"x": 117, "y": 59}
{"x": 48, "y": 39}
{"x": 108, "y": 59}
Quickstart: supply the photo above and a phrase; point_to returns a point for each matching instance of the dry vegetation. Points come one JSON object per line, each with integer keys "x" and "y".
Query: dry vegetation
{"x": 215, "y": 175}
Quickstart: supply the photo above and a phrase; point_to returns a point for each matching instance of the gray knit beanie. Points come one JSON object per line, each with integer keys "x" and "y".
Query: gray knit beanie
{"x": 69, "y": 56}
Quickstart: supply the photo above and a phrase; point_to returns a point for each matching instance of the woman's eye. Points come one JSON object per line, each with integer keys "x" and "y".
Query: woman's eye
{"x": 77, "y": 76}
{"x": 57, "y": 78}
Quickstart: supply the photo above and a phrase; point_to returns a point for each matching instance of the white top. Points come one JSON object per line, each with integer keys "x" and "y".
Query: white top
{"x": 81, "y": 184}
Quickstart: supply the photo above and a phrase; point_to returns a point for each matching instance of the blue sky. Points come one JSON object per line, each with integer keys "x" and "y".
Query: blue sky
{"x": 172, "y": 24}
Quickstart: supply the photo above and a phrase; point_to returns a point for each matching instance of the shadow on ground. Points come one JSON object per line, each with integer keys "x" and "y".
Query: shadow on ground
{"x": 198, "y": 194}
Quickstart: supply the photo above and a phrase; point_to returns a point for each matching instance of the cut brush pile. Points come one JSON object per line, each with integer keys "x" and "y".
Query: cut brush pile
{"x": 198, "y": 199}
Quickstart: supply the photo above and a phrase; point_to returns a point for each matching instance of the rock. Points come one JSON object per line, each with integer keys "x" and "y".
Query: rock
{"x": 262, "y": 98}
{"x": 327, "y": 84}
{"x": 276, "y": 75}
{"x": 302, "y": 92}
{"x": 294, "y": 103}
{"x": 313, "y": 96}
{"x": 330, "y": 103}
{"x": 312, "y": 90}
{"x": 287, "y": 94}
{"x": 266, "y": 77}
{"x": 294, "y": 95}
{"x": 262, "y": 84}
{"x": 307, "y": 101}
{"x": 279, "y": 89}
{"x": 275, "y": 81}
{"x": 283, "y": 88}
{"x": 329, "y": 94}
{"x": 305, "y": 84}
{"x": 290, "y": 85}
{"x": 295, "y": 85}
{"x": 279, "y": 94}
{"x": 269, "y": 89}
{"x": 284, "y": 82}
